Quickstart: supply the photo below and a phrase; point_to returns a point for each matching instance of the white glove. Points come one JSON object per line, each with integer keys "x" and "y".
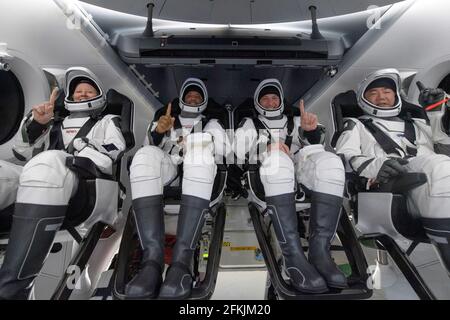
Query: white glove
{"x": 86, "y": 149}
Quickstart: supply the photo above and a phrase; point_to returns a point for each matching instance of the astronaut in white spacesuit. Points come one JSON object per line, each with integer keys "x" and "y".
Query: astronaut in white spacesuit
{"x": 46, "y": 185}
{"x": 290, "y": 150}
{"x": 384, "y": 144}
{"x": 178, "y": 137}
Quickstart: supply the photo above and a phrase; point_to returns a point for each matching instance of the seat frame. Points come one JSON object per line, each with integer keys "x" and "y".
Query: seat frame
{"x": 279, "y": 287}
{"x": 204, "y": 288}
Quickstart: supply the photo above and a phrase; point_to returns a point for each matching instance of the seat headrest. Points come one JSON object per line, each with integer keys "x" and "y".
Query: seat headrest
{"x": 347, "y": 104}
{"x": 118, "y": 104}
{"x": 115, "y": 102}
{"x": 60, "y": 111}
{"x": 217, "y": 111}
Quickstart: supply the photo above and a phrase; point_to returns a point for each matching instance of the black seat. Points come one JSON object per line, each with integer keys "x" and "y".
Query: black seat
{"x": 213, "y": 111}
{"x": 344, "y": 106}
{"x": 83, "y": 203}
{"x": 248, "y": 173}
{"x": 129, "y": 255}
{"x": 402, "y": 222}
{"x": 278, "y": 287}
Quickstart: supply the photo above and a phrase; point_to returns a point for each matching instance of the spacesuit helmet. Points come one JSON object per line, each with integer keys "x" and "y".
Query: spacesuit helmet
{"x": 386, "y": 78}
{"x": 197, "y": 85}
{"x": 269, "y": 86}
{"x": 75, "y": 76}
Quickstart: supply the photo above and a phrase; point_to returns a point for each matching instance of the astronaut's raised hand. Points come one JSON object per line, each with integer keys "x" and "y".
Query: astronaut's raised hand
{"x": 391, "y": 168}
{"x": 308, "y": 120}
{"x": 43, "y": 113}
{"x": 430, "y": 96}
{"x": 165, "y": 122}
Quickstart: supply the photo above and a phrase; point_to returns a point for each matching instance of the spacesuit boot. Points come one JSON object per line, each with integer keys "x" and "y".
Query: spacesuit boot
{"x": 179, "y": 278}
{"x": 438, "y": 230}
{"x": 6, "y": 218}
{"x": 33, "y": 231}
{"x": 324, "y": 217}
{"x": 304, "y": 276}
{"x": 149, "y": 215}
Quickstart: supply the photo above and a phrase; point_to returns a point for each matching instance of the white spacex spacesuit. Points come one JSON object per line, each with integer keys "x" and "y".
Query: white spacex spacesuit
{"x": 381, "y": 145}
{"x": 9, "y": 182}
{"x": 195, "y": 142}
{"x": 46, "y": 185}
{"x": 318, "y": 171}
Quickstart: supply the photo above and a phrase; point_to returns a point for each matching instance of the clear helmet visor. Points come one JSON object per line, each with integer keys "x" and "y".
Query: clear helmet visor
{"x": 196, "y": 87}
{"x": 269, "y": 87}
{"x": 83, "y": 79}
{"x": 383, "y": 82}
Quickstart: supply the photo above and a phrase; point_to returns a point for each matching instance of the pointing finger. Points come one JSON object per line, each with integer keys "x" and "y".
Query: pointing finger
{"x": 53, "y": 96}
{"x": 302, "y": 107}
{"x": 169, "y": 109}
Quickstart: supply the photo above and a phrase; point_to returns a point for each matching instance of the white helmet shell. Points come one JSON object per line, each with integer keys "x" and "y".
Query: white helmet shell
{"x": 372, "y": 109}
{"x": 272, "y": 113}
{"x": 202, "y": 87}
{"x": 73, "y": 76}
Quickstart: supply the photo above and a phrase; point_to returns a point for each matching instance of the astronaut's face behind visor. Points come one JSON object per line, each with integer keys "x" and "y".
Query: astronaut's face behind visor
{"x": 382, "y": 97}
{"x": 270, "y": 101}
{"x": 84, "y": 91}
{"x": 193, "y": 98}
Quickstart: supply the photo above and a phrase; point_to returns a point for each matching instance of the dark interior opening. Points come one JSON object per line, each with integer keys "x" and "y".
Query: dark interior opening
{"x": 12, "y": 105}
{"x": 445, "y": 84}
{"x": 228, "y": 83}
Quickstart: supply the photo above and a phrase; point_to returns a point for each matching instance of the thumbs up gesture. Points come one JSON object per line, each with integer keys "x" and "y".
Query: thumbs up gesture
{"x": 166, "y": 121}
{"x": 43, "y": 113}
{"x": 308, "y": 120}
{"x": 430, "y": 98}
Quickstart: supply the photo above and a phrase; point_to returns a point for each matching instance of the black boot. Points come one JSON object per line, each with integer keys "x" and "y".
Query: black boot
{"x": 303, "y": 276}
{"x": 6, "y": 216}
{"x": 149, "y": 217}
{"x": 179, "y": 278}
{"x": 324, "y": 217}
{"x": 33, "y": 231}
{"x": 438, "y": 230}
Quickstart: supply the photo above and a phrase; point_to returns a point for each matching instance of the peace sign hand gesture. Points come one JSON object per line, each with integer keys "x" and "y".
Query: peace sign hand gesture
{"x": 43, "y": 113}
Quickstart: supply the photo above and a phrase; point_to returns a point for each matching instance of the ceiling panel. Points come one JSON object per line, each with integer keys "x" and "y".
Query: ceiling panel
{"x": 240, "y": 11}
